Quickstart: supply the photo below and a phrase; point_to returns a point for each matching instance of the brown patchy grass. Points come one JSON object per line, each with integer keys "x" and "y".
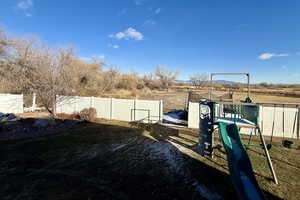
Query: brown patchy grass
{"x": 267, "y": 98}
{"x": 171, "y": 100}
{"x": 115, "y": 160}
{"x": 286, "y": 164}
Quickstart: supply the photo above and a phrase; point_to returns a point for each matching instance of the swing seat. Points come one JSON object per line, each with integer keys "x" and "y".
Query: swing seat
{"x": 287, "y": 144}
{"x": 269, "y": 146}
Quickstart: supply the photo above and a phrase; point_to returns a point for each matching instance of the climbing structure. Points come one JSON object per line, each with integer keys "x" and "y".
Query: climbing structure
{"x": 229, "y": 119}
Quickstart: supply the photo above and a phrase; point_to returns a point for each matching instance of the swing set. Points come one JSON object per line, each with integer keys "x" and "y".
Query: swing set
{"x": 241, "y": 115}
{"x": 232, "y": 118}
{"x": 295, "y": 128}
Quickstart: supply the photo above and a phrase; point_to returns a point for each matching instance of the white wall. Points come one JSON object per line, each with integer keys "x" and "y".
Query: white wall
{"x": 66, "y": 104}
{"x": 193, "y": 115}
{"x": 145, "y": 107}
{"x": 122, "y": 108}
{"x": 103, "y": 106}
{"x": 286, "y": 120}
{"x": 11, "y": 103}
{"x": 110, "y": 108}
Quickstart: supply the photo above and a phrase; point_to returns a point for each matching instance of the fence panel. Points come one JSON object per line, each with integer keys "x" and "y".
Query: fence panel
{"x": 279, "y": 121}
{"x": 103, "y": 107}
{"x": 109, "y": 108}
{"x": 147, "y": 110}
{"x": 285, "y": 121}
{"x": 193, "y": 115}
{"x": 122, "y": 108}
{"x": 66, "y": 104}
{"x": 11, "y": 103}
{"x": 82, "y": 103}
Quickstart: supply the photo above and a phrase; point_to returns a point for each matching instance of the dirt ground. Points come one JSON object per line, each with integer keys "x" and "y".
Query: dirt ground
{"x": 268, "y": 98}
{"x": 178, "y": 99}
{"x": 118, "y": 160}
{"x": 171, "y": 100}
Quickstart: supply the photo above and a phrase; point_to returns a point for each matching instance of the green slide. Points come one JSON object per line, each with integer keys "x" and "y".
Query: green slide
{"x": 240, "y": 168}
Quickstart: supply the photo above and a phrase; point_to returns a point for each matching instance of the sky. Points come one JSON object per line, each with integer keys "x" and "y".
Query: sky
{"x": 261, "y": 37}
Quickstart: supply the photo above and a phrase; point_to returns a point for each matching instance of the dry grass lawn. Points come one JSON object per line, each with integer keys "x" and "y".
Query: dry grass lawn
{"x": 117, "y": 160}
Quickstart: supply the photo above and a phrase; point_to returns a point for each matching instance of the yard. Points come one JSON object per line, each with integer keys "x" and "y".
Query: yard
{"x": 118, "y": 160}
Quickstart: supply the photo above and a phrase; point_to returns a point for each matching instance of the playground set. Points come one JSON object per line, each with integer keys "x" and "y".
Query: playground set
{"x": 228, "y": 118}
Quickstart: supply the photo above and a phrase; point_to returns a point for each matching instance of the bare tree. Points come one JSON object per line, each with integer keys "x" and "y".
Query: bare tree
{"x": 32, "y": 67}
{"x": 165, "y": 76}
{"x": 199, "y": 80}
{"x": 151, "y": 82}
{"x": 109, "y": 79}
{"x": 3, "y": 42}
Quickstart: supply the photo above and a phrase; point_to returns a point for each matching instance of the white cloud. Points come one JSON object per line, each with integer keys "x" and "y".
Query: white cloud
{"x": 157, "y": 11}
{"x": 25, "y": 4}
{"x": 28, "y": 14}
{"x": 282, "y": 54}
{"x": 130, "y": 33}
{"x": 123, "y": 12}
{"x": 114, "y": 46}
{"x": 149, "y": 22}
{"x": 138, "y": 2}
{"x": 266, "y": 56}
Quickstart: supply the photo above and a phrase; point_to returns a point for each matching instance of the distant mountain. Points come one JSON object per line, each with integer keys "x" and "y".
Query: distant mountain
{"x": 225, "y": 82}
{"x": 215, "y": 81}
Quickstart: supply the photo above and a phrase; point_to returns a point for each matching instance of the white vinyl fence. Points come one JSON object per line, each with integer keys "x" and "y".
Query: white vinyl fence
{"x": 193, "y": 115}
{"x": 109, "y": 108}
{"x": 280, "y": 121}
{"x": 11, "y": 103}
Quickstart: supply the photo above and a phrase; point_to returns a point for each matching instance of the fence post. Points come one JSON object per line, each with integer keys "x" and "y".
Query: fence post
{"x": 298, "y": 123}
{"x": 161, "y": 112}
{"x": 56, "y": 102}
{"x": 33, "y": 106}
{"x": 92, "y": 104}
{"x": 76, "y": 104}
{"x": 134, "y": 108}
{"x": 260, "y": 118}
{"x": 22, "y": 103}
{"x": 111, "y": 108}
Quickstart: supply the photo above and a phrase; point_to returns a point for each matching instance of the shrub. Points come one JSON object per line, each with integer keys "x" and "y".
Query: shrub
{"x": 88, "y": 114}
{"x": 130, "y": 81}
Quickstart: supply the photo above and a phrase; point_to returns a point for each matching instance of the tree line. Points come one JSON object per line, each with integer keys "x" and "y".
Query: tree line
{"x": 28, "y": 65}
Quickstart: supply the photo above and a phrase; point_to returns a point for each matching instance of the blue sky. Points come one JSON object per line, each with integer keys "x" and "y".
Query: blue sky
{"x": 191, "y": 36}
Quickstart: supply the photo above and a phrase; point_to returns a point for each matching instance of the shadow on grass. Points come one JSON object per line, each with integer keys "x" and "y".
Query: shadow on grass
{"x": 107, "y": 160}
{"x": 203, "y": 171}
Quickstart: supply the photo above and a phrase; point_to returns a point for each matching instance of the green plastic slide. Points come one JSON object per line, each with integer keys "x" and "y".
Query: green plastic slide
{"x": 240, "y": 168}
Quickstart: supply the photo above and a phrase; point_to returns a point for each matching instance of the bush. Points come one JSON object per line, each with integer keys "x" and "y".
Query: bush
{"x": 88, "y": 114}
{"x": 130, "y": 81}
